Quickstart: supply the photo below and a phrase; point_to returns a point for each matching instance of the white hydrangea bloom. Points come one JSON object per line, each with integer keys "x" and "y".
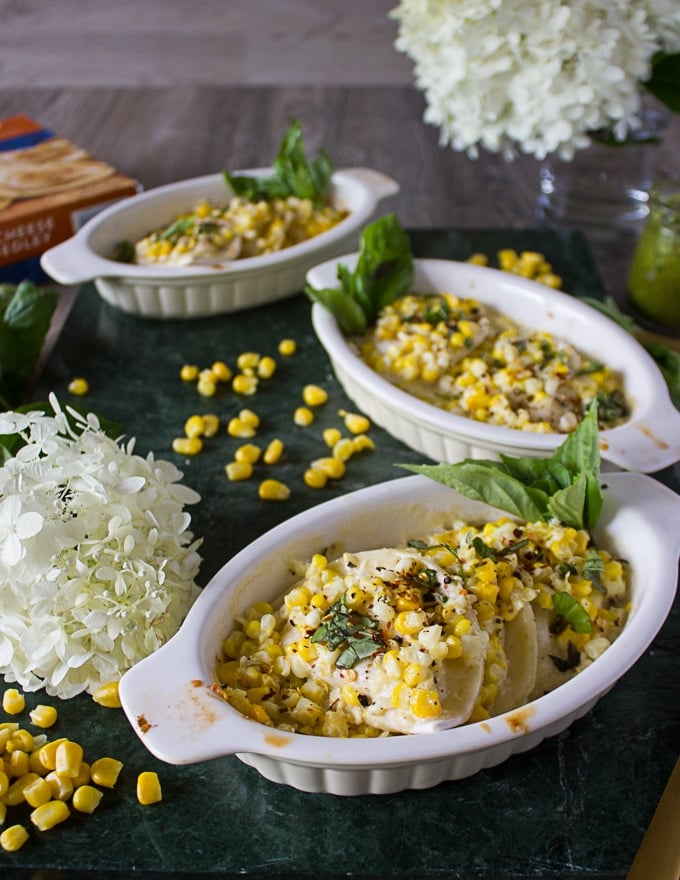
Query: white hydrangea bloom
{"x": 534, "y": 75}
{"x": 97, "y": 565}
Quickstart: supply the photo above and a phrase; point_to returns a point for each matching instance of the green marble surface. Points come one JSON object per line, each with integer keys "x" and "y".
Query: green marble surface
{"x": 574, "y": 807}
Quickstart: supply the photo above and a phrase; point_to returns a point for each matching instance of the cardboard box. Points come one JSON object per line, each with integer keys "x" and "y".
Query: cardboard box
{"x": 49, "y": 188}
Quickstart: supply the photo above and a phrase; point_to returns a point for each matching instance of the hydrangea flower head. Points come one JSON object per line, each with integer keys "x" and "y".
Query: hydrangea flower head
{"x": 97, "y": 565}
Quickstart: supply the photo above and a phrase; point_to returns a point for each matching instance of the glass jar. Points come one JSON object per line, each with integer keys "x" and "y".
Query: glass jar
{"x": 654, "y": 279}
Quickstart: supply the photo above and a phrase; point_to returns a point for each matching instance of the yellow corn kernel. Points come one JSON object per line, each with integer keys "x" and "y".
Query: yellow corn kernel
{"x": 47, "y": 754}
{"x": 61, "y": 786}
{"x": 43, "y": 716}
{"x": 105, "y": 771}
{"x": 343, "y": 449}
{"x": 252, "y": 629}
{"x": 248, "y": 360}
{"x": 478, "y": 259}
{"x": 206, "y": 387}
{"x": 413, "y": 674}
{"x": 233, "y": 644}
{"x": 79, "y": 386}
{"x": 332, "y": 467}
{"x": 462, "y": 627}
{"x": 38, "y": 792}
{"x": 211, "y": 424}
{"x": 18, "y": 763}
{"x": 4, "y": 782}
{"x": 13, "y": 838}
{"x": 248, "y": 453}
{"x": 188, "y": 373}
{"x": 408, "y": 603}
{"x": 362, "y": 442}
{"x": 425, "y": 703}
{"x": 303, "y": 417}
{"x": 83, "y": 777}
{"x": 454, "y": 647}
{"x": 349, "y": 695}
{"x": 86, "y": 798}
{"x": 238, "y": 428}
{"x": 107, "y": 695}
{"x": 507, "y": 259}
{"x": 315, "y": 478}
{"x": 220, "y": 371}
{"x": 13, "y": 702}
{"x": 238, "y": 470}
{"x": 21, "y": 739}
{"x": 194, "y": 426}
{"x": 331, "y": 436}
{"x": 245, "y": 385}
{"x": 400, "y": 696}
{"x": 355, "y": 423}
{"x": 319, "y": 601}
{"x": 50, "y": 814}
{"x": 149, "y": 788}
{"x": 187, "y": 445}
{"x": 408, "y": 623}
{"x": 354, "y": 596}
{"x": 266, "y": 367}
{"x": 273, "y": 452}
{"x": 298, "y": 597}
{"x": 15, "y": 792}
{"x": 248, "y": 417}
{"x": 287, "y": 347}
{"x": 314, "y": 395}
{"x": 273, "y": 490}
{"x": 550, "y": 280}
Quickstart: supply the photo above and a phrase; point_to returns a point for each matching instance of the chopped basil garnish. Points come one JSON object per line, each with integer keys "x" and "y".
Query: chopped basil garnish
{"x": 569, "y": 611}
{"x": 571, "y": 661}
{"x": 357, "y": 634}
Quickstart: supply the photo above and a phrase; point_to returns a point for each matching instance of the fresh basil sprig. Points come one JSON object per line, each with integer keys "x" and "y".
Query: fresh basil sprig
{"x": 565, "y": 486}
{"x": 294, "y": 174}
{"x": 25, "y": 315}
{"x": 383, "y": 272}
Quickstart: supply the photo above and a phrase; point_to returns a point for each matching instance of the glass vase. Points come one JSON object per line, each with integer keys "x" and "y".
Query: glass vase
{"x": 604, "y": 189}
{"x": 654, "y": 279}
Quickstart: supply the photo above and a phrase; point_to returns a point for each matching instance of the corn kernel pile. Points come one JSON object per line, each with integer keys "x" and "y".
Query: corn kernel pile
{"x": 469, "y": 360}
{"x": 51, "y": 776}
{"x": 251, "y": 369}
{"x": 453, "y": 628}
{"x": 238, "y": 230}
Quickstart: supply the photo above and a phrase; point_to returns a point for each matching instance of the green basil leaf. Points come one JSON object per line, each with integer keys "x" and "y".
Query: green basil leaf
{"x": 572, "y": 612}
{"x": 569, "y": 505}
{"x": 383, "y": 272}
{"x": 541, "y": 473}
{"x": 493, "y": 486}
{"x": 580, "y": 451}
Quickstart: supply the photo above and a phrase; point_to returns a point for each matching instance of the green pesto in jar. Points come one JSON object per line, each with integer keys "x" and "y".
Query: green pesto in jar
{"x": 654, "y": 280}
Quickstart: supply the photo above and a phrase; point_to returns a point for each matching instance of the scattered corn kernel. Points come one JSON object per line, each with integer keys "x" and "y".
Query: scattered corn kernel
{"x": 331, "y": 436}
{"x": 245, "y": 385}
{"x": 343, "y": 449}
{"x": 249, "y": 453}
{"x": 332, "y": 467}
{"x": 266, "y": 368}
{"x": 287, "y": 347}
{"x": 274, "y": 490}
{"x": 313, "y": 395}
{"x": 239, "y": 470}
{"x": 13, "y": 702}
{"x": 238, "y": 428}
{"x": 50, "y": 814}
{"x": 188, "y": 373}
{"x": 38, "y": 792}
{"x": 107, "y": 695}
{"x": 13, "y": 838}
{"x": 86, "y": 798}
{"x": 187, "y": 445}
{"x": 105, "y": 771}
{"x": 43, "y": 716}
{"x": 194, "y": 426}
{"x": 211, "y": 424}
{"x": 248, "y": 360}
{"x": 206, "y": 387}
{"x": 149, "y": 788}
{"x": 221, "y": 371}
{"x": 273, "y": 452}
{"x": 303, "y": 417}
{"x": 356, "y": 423}
{"x": 79, "y": 387}
{"x": 315, "y": 478}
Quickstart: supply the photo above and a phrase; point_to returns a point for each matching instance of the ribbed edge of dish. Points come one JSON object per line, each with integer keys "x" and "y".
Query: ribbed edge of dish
{"x": 390, "y": 780}
{"x": 227, "y": 293}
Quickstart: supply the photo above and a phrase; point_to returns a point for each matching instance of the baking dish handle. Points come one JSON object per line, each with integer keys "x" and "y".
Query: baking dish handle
{"x": 647, "y": 445}
{"x": 72, "y": 262}
{"x": 379, "y": 185}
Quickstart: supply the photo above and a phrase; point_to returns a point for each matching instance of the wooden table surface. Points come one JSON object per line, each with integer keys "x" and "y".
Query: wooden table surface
{"x": 165, "y": 134}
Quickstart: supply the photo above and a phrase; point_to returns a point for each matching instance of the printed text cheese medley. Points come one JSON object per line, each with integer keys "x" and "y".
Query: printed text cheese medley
{"x": 466, "y": 358}
{"x": 242, "y": 229}
{"x": 454, "y": 628}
